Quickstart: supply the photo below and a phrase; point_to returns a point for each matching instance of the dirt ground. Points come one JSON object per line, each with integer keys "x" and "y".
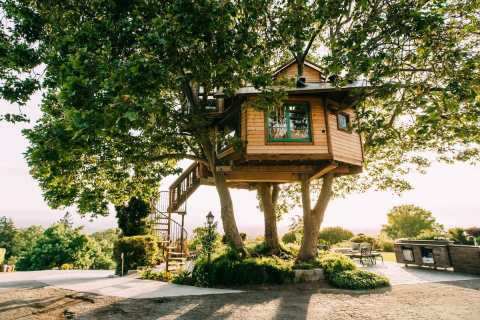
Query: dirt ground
{"x": 439, "y": 301}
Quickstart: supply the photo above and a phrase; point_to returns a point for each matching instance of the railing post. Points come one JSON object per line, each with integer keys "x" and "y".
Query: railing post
{"x": 181, "y": 234}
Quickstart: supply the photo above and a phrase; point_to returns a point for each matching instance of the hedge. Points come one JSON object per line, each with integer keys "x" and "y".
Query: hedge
{"x": 139, "y": 251}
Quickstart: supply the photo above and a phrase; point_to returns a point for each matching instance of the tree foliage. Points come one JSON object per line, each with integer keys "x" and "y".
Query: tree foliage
{"x": 132, "y": 218}
{"x": 408, "y": 221}
{"x": 7, "y": 236}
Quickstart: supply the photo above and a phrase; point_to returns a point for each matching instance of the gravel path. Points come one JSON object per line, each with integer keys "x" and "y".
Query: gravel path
{"x": 439, "y": 301}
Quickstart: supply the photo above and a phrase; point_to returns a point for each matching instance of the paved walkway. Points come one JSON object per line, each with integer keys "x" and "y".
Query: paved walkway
{"x": 399, "y": 274}
{"x": 102, "y": 282}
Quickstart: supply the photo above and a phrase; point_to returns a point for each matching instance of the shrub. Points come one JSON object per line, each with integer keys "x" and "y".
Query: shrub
{"x": 384, "y": 243}
{"x": 183, "y": 277}
{"x": 228, "y": 270}
{"x": 292, "y": 248}
{"x": 430, "y": 235}
{"x": 66, "y": 266}
{"x": 306, "y": 265}
{"x": 2, "y": 255}
{"x": 361, "y": 238}
{"x": 333, "y": 235}
{"x": 333, "y": 263}
{"x": 457, "y": 235}
{"x": 139, "y": 251}
{"x": 291, "y": 237}
{"x": 358, "y": 280}
{"x": 149, "y": 274}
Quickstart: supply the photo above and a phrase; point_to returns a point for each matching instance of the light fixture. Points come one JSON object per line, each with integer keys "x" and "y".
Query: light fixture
{"x": 210, "y": 218}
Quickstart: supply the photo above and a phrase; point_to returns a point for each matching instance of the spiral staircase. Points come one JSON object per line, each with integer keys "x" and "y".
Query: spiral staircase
{"x": 168, "y": 217}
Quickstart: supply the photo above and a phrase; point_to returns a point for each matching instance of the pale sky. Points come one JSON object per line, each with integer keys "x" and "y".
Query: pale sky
{"x": 451, "y": 192}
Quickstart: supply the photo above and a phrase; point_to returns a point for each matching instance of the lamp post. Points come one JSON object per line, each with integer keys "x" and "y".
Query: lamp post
{"x": 210, "y": 219}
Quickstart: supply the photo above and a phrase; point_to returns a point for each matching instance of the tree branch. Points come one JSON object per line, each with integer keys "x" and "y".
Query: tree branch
{"x": 176, "y": 156}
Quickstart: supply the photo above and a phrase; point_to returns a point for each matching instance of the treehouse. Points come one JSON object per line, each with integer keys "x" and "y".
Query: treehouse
{"x": 307, "y": 136}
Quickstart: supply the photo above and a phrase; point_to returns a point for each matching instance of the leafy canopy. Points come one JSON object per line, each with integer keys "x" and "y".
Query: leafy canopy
{"x": 126, "y": 84}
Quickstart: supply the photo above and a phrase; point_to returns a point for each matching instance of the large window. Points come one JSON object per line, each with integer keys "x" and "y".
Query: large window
{"x": 291, "y": 122}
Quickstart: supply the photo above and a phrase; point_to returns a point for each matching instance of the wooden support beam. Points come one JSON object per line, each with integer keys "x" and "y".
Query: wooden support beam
{"x": 324, "y": 171}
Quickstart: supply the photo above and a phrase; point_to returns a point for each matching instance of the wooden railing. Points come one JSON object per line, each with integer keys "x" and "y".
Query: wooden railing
{"x": 185, "y": 185}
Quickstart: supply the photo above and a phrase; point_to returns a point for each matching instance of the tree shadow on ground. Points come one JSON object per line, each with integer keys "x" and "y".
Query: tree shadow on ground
{"x": 279, "y": 302}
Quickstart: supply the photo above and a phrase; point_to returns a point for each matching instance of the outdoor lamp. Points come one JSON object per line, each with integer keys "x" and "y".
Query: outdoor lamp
{"x": 210, "y": 218}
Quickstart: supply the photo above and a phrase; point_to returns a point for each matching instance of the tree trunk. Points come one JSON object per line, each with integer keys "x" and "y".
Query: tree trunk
{"x": 228, "y": 217}
{"x": 312, "y": 219}
{"x": 300, "y": 66}
{"x": 268, "y": 196}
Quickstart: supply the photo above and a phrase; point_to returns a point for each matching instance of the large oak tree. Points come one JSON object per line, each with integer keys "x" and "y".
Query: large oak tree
{"x": 126, "y": 87}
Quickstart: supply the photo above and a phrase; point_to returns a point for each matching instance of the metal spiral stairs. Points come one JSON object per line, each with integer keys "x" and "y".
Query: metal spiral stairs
{"x": 171, "y": 232}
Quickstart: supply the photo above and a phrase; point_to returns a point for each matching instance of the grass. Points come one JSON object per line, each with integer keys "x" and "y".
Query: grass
{"x": 389, "y": 256}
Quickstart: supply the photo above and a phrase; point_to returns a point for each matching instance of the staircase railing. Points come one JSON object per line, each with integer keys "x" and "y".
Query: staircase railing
{"x": 172, "y": 234}
{"x": 185, "y": 185}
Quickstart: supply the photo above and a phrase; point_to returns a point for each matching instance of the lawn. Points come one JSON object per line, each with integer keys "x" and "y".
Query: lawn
{"x": 389, "y": 256}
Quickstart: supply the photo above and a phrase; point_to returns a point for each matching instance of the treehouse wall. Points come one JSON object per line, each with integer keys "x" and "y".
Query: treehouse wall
{"x": 310, "y": 74}
{"x": 257, "y": 143}
{"x": 346, "y": 146}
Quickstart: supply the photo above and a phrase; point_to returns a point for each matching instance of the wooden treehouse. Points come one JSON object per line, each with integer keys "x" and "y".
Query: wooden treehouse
{"x": 306, "y": 137}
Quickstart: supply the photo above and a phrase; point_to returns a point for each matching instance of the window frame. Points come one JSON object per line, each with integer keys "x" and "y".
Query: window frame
{"x": 307, "y": 109}
{"x": 349, "y": 125}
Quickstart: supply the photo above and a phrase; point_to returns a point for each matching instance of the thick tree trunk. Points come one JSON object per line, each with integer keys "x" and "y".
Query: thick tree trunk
{"x": 312, "y": 219}
{"x": 268, "y": 196}
{"x": 300, "y": 66}
{"x": 228, "y": 217}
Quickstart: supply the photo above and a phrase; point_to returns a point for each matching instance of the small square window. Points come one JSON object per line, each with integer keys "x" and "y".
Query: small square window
{"x": 343, "y": 121}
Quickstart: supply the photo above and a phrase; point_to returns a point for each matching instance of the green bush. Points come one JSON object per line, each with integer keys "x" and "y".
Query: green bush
{"x": 306, "y": 265}
{"x": 183, "y": 277}
{"x": 149, "y": 274}
{"x": 139, "y": 251}
{"x": 333, "y": 235}
{"x": 66, "y": 266}
{"x": 229, "y": 270}
{"x": 291, "y": 237}
{"x": 430, "y": 235}
{"x": 2, "y": 255}
{"x": 384, "y": 243}
{"x": 358, "y": 280}
{"x": 458, "y": 236}
{"x": 333, "y": 263}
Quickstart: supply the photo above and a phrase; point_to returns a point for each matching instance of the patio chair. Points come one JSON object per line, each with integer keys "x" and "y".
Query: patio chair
{"x": 366, "y": 255}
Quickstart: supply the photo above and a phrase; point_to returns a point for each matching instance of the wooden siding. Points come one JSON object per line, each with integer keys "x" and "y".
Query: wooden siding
{"x": 257, "y": 136}
{"x": 346, "y": 146}
{"x": 309, "y": 73}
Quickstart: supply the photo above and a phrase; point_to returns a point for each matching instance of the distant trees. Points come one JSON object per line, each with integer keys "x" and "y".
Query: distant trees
{"x": 409, "y": 221}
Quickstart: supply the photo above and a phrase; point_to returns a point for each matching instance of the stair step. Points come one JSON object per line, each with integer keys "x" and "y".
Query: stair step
{"x": 176, "y": 253}
{"x": 172, "y": 259}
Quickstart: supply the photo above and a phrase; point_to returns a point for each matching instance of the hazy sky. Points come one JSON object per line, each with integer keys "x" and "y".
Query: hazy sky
{"x": 451, "y": 192}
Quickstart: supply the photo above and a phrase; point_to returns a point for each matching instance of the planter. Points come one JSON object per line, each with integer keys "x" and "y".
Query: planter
{"x": 309, "y": 275}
